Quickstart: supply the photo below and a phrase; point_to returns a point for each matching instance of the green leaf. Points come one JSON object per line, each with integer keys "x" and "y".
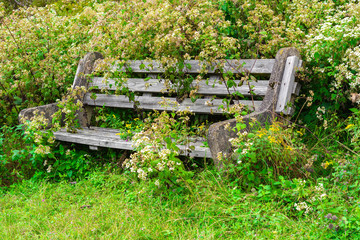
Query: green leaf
{"x": 251, "y": 177}
{"x": 93, "y": 96}
{"x": 168, "y": 140}
{"x": 61, "y": 149}
{"x": 17, "y": 101}
{"x": 316, "y": 56}
{"x": 354, "y": 110}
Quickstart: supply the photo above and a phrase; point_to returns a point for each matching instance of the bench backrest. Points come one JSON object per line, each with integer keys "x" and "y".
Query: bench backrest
{"x": 212, "y": 90}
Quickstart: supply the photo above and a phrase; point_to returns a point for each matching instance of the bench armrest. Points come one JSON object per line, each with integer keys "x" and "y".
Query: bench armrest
{"x": 218, "y": 133}
{"x": 48, "y": 111}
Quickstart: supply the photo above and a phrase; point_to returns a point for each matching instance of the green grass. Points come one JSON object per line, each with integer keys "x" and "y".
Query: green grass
{"x": 109, "y": 206}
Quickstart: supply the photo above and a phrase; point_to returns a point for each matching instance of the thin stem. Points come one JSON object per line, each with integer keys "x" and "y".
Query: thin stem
{"x": 307, "y": 129}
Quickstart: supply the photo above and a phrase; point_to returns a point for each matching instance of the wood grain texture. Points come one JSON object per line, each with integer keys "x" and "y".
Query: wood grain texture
{"x": 85, "y": 67}
{"x": 204, "y": 106}
{"x": 287, "y": 85}
{"x": 206, "y": 87}
{"x": 254, "y": 66}
{"x": 105, "y": 137}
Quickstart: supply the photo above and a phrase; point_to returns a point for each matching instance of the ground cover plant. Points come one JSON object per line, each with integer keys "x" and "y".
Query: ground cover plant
{"x": 111, "y": 206}
{"x": 296, "y": 178}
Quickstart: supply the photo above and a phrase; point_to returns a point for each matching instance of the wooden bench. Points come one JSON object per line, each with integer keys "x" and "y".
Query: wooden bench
{"x": 274, "y": 73}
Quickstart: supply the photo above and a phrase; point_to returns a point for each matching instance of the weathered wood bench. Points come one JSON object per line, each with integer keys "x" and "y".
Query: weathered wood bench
{"x": 275, "y": 91}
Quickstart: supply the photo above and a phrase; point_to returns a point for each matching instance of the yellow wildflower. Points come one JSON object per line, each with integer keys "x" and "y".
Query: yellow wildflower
{"x": 128, "y": 125}
{"x": 261, "y": 133}
{"x": 325, "y": 165}
{"x": 349, "y": 126}
{"x": 272, "y": 139}
{"x": 274, "y": 128}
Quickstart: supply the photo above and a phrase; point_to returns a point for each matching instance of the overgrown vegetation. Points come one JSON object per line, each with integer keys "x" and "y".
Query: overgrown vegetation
{"x": 294, "y": 178}
{"x": 112, "y": 206}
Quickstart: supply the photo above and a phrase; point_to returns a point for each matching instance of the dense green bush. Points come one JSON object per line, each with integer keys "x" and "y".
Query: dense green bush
{"x": 41, "y": 46}
{"x": 14, "y": 157}
{"x": 265, "y": 155}
{"x": 21, "y": 158}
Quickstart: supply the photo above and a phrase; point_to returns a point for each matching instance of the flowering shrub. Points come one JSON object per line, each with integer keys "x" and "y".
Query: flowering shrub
{"x": 336, "y": 70}
{"x": 156, "y": 153}
{"x": 266, "y": 154}
{"x": 326, "y": 33}
{"x": 39, "y": 53}
{"x": 43, "y": 157}
{"x": 69, "y": 106}
{"x": 263, "y": 27}
{"x": 42, "y": 46}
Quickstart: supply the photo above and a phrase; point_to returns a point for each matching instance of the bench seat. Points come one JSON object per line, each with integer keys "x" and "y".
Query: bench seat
{"x": 108, "y": 138}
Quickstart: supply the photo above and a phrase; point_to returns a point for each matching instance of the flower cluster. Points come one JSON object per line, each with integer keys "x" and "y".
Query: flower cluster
{"x": 320, "y": 112}
{"x": 156, "y": 152}
{"x": 338, "y": 70}
{"x": 319, "y": 193}
{"x": 69, "y": 106}
{"x": 35, "y": 130}
{"x": 310, "y": 196}
{"x": 349, "y": 71}
{"x": 303, "y": 206}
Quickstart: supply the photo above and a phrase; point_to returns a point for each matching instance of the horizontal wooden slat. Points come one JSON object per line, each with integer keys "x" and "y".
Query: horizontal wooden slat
{"x": 153, "y": 103}
{"x": 254, "y": 66}
{"x": 210, "y": 87}
{"x": 105, "y": 137}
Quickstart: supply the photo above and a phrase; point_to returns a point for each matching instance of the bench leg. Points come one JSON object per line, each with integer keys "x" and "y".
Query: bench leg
{"x": 220, "y": 133}
{"x": 218, "y": 140}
